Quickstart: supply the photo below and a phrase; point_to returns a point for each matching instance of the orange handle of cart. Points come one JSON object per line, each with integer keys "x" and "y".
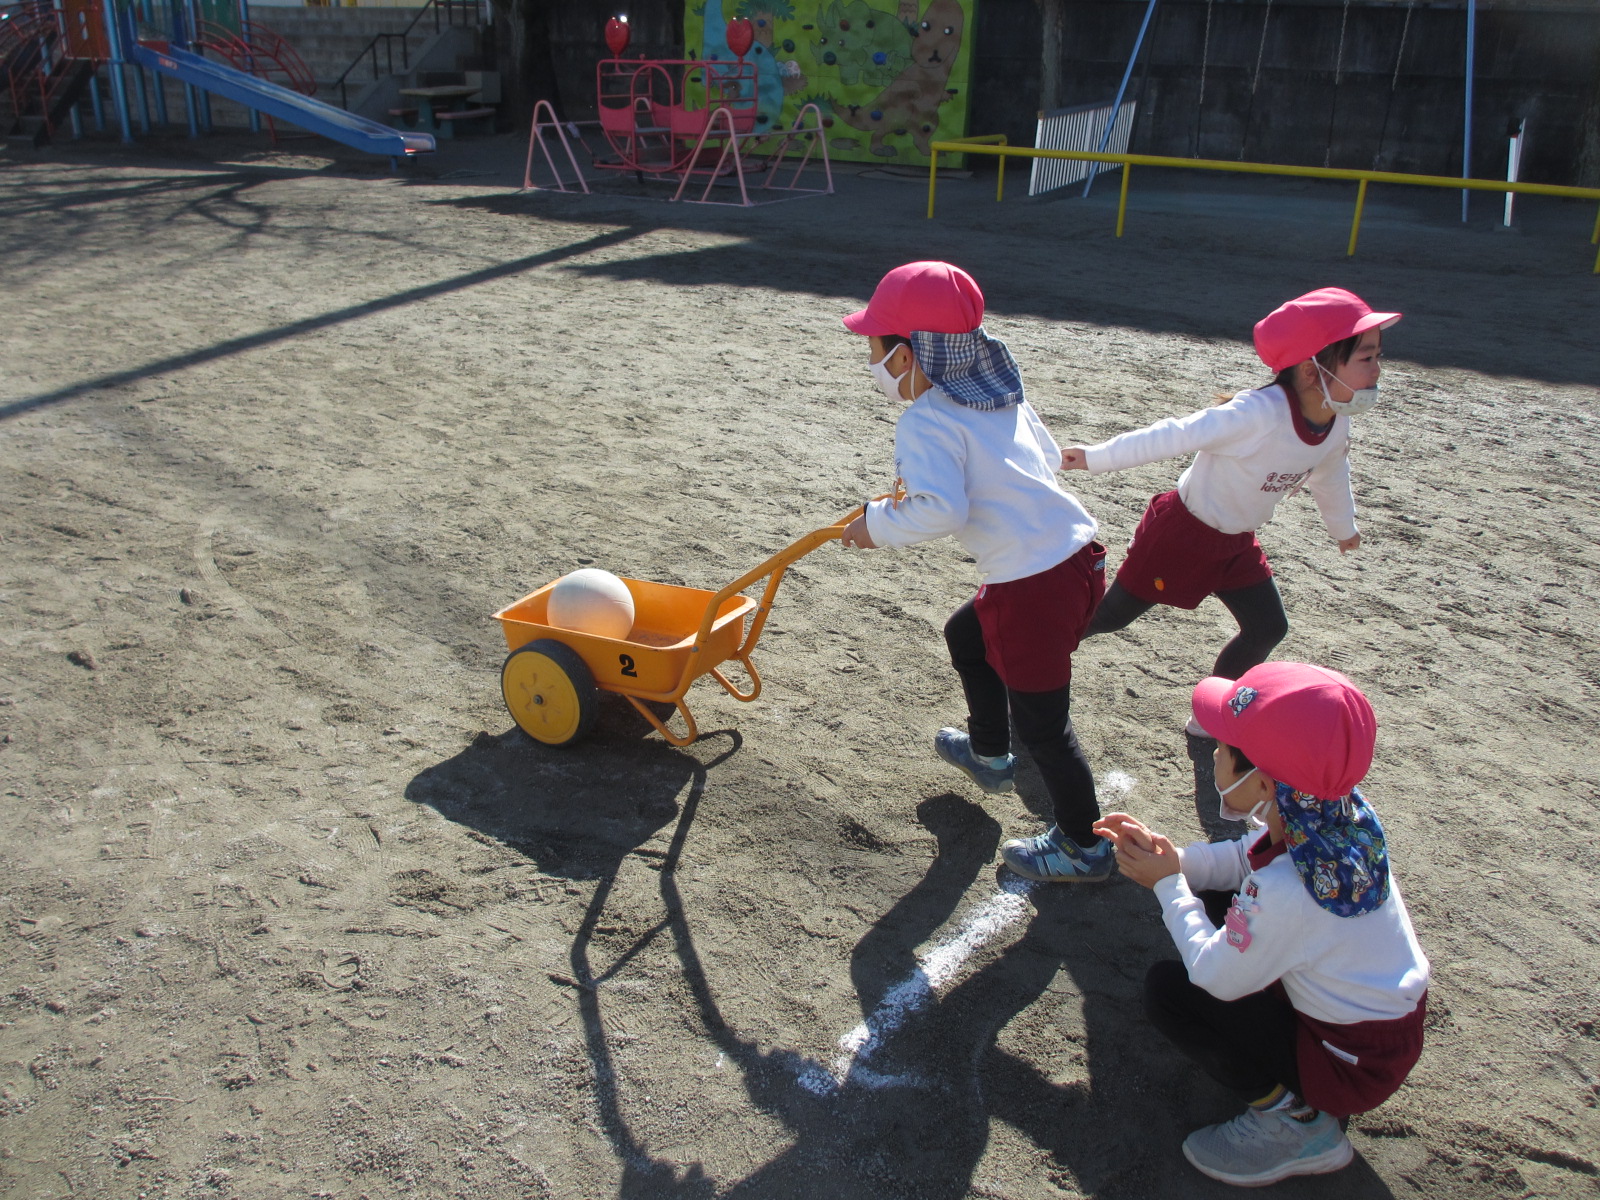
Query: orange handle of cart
{"x": 775, "y": 567}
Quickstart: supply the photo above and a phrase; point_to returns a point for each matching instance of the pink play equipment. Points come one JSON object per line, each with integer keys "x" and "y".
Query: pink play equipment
{"x": 684, "y": 119}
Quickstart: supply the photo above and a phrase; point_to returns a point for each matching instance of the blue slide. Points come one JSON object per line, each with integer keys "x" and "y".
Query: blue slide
{"x": 280, "y": 102}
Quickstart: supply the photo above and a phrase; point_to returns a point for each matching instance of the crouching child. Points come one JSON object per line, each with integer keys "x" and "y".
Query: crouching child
{"x": 1308, "y": 999}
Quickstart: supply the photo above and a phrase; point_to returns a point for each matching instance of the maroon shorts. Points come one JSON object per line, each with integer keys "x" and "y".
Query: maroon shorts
{"x": 1032, "y": 625}
{"x": 1176, "y": 558}
{"x": 1347, "y": 1069}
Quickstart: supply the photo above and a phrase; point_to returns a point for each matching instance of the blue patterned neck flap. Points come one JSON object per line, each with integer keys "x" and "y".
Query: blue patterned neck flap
{"x": 1338, "y": 848}
{"x": 973, "y": 369}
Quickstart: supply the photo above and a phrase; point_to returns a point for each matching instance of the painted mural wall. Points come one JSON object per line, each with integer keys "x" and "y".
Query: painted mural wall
{"x": 890, "y": 76}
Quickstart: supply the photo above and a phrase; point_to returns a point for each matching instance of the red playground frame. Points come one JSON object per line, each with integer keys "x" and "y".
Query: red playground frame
{"x": 687, "y": 119}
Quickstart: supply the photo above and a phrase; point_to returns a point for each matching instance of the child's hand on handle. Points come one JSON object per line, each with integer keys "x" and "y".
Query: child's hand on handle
{"x": 1348, "y": 544}
{"x": 855, "y": 535}
{"x": 1142, "y": 855}
{"x": 1074, "y": 458}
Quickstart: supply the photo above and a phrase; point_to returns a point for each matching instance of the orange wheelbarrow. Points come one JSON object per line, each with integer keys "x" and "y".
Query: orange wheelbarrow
{"x": 552, "y": 678}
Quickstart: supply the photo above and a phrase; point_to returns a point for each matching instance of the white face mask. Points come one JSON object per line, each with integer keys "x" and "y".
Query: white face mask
{"x": 1359, "y": 402}
{"x": 1231, "y": 814}
{"x": 888, "y": 384}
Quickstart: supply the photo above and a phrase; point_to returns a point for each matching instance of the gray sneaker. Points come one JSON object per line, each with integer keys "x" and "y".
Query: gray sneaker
{"x": 1257, "y": 1148}
{"x": 1053, "y": 857}
{"x": 955, "y": 748}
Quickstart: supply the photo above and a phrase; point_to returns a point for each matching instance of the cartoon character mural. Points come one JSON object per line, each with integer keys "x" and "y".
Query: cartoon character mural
{"x": 890, "y": 76}
{"x": 911, "y": 103}
{"x": 862, "y": 44}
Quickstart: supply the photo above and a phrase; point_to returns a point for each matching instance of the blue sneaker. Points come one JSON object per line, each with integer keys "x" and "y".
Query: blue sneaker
{"x": 1257, "y": 1148}
{"x": 955, "y": 748}
{"x": 1053, "y": 857}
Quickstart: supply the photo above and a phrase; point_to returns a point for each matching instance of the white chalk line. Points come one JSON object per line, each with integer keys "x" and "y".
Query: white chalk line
{"x": 936, "y": 968}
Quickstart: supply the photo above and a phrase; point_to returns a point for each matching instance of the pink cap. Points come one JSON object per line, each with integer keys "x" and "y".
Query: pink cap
{"x": 933, "y": 297}
{"x": 1293, "y": 332}
{"x": 1305, "y": 726}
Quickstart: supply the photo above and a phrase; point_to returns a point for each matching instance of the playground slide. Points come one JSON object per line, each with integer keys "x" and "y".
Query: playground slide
{"x": 311, "y": 115}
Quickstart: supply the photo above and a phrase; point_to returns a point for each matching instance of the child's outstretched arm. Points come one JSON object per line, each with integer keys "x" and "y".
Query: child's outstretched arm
{"x": 1329, "y": 485}
{"x": 1230, "y": 428}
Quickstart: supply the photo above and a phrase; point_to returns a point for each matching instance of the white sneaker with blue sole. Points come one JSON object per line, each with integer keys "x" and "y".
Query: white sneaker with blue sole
{"x": 1257, "y": 1148}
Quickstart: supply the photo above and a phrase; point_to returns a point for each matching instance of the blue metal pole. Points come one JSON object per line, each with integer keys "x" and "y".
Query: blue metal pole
{"x": 180, "y": 39}
{"x": 203, "y": 96}
{"x": 1116, "y": 105}
{"x": 97, "y": 104}
{"x": 119, "y": 85}
{"x": 144, "y": 100}
{"x": 1466, "y": 137}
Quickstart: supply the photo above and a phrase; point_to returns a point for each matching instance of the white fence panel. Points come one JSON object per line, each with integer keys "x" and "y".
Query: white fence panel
{"x": 1077, "y": 128}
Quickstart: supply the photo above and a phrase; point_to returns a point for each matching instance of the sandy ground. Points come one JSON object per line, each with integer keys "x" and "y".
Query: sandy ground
{"x": 291, "y": 909}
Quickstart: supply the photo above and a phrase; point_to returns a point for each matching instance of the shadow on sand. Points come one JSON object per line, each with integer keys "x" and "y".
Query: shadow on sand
{"x": 1106, "y": 1120}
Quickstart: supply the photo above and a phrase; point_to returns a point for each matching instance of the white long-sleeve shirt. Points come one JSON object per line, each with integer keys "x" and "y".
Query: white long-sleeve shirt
{"x": 987, "y": 478}
{"x": 1249, "y": 453}
{"x": 1336, "y": 969}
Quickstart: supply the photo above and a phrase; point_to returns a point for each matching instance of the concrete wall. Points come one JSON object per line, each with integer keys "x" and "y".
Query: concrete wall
{"x": 330, "y": 38}
{"x": 548, "y": 48}
{"x": 1540, "y": 62}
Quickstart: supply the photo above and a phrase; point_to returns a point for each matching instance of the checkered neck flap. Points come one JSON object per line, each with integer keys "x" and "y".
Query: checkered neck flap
{"x": 973, "y": 369}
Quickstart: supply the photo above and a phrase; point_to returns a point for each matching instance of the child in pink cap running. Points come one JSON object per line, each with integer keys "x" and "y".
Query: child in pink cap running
{"x": 1308, "y": 997}
{"x": 1250, "y": 453}
{"x": 977, "y": 464}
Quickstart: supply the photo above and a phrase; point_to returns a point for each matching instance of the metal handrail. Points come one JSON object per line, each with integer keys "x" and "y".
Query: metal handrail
{"x": 258, "y": 51}
{"x": 1128, "y": 161}
{"x": 371, "y": 48}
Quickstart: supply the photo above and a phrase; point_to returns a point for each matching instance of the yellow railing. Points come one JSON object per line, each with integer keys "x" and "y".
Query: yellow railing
{"x": 987, "y": 139}
{"x": 1129, "y": 161}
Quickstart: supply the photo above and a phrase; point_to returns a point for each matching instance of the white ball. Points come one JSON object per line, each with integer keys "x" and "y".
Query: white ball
{"x": 592, "y": 601}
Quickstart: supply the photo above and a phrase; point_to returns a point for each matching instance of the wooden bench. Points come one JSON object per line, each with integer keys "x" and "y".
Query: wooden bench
{"x": 465, "y": 114}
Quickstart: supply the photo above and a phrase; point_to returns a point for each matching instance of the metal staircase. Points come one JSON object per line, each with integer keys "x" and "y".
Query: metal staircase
{"x": 40, "y": 81}
{"x": 443, "y": 14}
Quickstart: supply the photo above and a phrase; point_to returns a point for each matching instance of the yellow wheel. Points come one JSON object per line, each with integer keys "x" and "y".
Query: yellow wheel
{"x": 549, "y": 692}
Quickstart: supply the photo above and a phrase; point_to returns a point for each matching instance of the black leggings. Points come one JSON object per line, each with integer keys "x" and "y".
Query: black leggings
{"x": 1246, "y": 1044}
{"x": 1044, "y": 726}
{"x": 1258, "y": 609}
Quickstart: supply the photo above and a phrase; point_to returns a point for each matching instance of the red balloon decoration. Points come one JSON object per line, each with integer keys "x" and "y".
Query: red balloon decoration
{"x": 617, "y": 34}
{"x": 741, "y": 34}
